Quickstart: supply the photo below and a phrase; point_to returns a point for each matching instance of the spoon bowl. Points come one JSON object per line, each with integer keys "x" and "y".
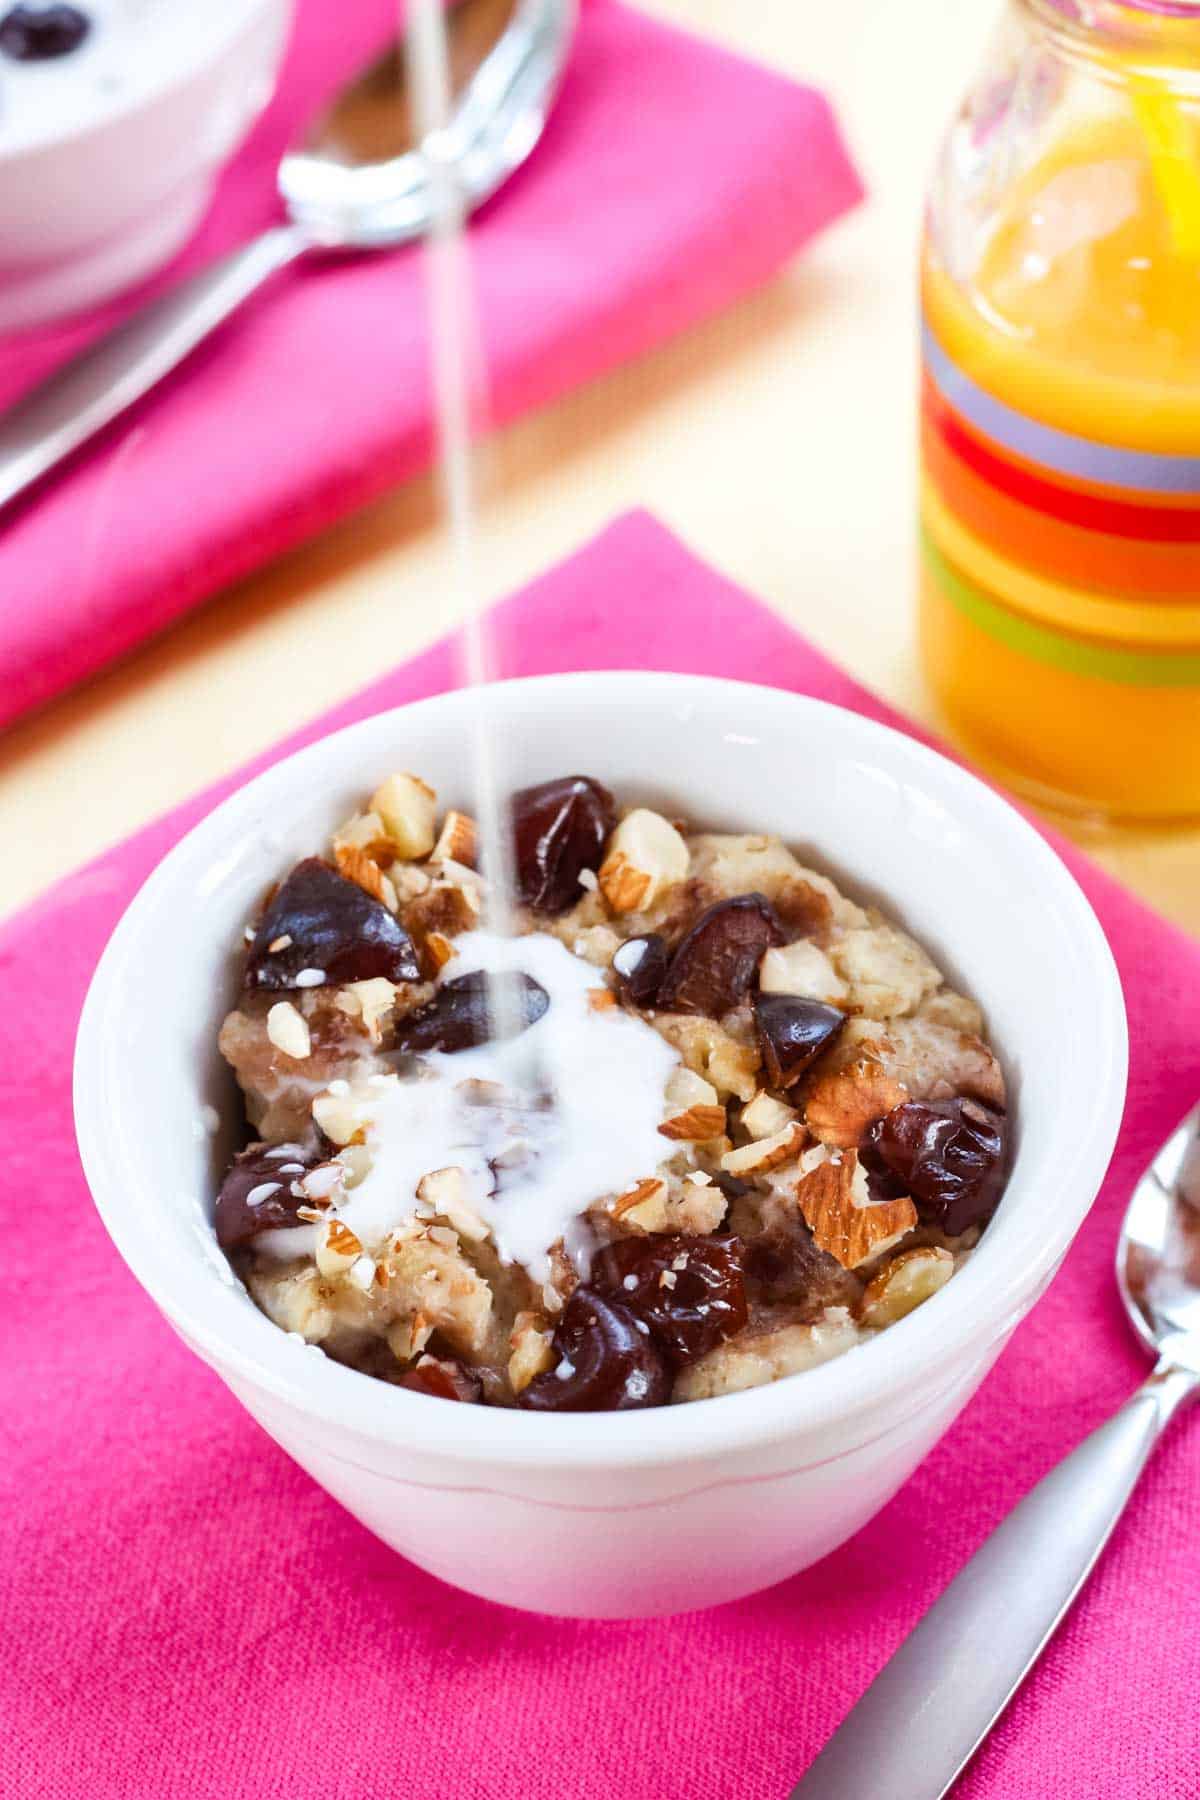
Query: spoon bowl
{"x": 360, "y": 182}
{"x": 1158, "y": 1256}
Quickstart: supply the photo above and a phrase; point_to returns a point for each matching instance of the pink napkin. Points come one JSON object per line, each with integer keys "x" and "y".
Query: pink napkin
{"x": 188, "y": 1617}
{"x": 671, "y": 179}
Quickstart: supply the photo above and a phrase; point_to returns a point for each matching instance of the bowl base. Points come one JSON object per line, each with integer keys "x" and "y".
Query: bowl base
{"x": 40, "y": 294}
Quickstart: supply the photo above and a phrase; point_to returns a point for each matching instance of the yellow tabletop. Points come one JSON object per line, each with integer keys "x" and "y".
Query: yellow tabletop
{"x": 778, "y": 440}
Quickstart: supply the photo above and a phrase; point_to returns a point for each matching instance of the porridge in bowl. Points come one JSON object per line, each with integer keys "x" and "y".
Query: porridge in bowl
{"x": 699, "y": 1122}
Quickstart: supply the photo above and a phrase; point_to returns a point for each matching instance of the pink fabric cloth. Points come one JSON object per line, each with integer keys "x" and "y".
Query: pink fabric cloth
{"x": 186, "y": 1616}
{"x": 672, "y": 178}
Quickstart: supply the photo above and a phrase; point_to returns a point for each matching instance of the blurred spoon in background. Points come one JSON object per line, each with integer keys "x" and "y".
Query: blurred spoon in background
{"x": 931, "y": 1706}
{"x": 356, "y": 184}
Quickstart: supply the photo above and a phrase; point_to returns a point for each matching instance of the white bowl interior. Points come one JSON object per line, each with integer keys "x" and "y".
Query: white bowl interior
{"x": 948, "y": 858}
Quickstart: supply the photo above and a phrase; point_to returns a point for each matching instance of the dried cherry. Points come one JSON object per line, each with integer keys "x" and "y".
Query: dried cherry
{"x": 37, "y": 33}
{"x": 640, "y": 964}
{"x": 716, "y": 963}
{"x": 607, "y": 1361}
{"x": 792, "y": 1033}
{"x": 947, "y": 1155}
{"x": 559, "y": 829}
{"x": 460, "y": 1015}
{"x": 256, "y": 1194}
{"x": 324, "y": 922}
{"x": 444, "y": 1378}
{"x": 690, "y": 1291}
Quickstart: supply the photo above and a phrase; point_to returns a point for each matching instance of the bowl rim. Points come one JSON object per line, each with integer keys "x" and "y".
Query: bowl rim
{"x": 859, "y": 1390}
{"x": 240, "y": 23}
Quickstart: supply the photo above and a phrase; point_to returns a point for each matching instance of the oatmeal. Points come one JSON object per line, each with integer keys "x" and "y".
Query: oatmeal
{"x": 701, "y": 1122}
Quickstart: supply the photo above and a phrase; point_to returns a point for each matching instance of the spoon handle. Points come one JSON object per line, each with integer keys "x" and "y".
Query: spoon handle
{"x": 93, "y": 388}
{"x": 948, "y": 1683}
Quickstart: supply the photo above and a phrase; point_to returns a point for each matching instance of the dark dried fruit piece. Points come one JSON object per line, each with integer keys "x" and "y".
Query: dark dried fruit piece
{"x": 460, "y": 1015}
{"x": 444, "y": 1378}
{"x": 37, "y": 33}
{"x": 716, "y": 963}
{"x": 607, "y": 1361}
{"x": 256, "y": 1194}
{"x": 792, "y": 1033}
{"x": 640, "y": 964}
{"x": 690, "y": 1291}
{"x": 559, "y": 829}
{"x": 322, "y": 922}
{"x": 947, "y": 1155}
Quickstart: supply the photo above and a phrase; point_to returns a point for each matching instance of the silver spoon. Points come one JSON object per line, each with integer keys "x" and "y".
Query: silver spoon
{"x": 932, "y": 1705}
{"x": 356, "y": 184}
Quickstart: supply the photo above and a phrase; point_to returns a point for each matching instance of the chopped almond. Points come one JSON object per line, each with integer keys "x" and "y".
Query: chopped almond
{"x": 645, "y": 857}
{"x": 841, "y": 1215}
{"x": 698, "y": 1125}
{"x": 843, "y": 1103}
{"x": 766, "y": 1153}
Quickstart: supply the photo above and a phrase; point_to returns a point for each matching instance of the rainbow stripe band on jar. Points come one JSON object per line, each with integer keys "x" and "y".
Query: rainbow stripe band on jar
{"x": 1060, "y": 609}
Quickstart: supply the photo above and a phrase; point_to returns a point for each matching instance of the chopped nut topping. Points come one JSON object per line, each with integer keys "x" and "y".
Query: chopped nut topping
{"x": 840, "y": 1213}
{"x": 457, "y": 841}
{"x": 371, "y": 1001}
{"x": 408, "y": 808}
{"x": 801, "y": 968}
{"x": 644, "y": 1206}
{"x": 447, "y": 1191}
{"x": 764, "y": 1116}
{"x": 903, "y": 1284}
{"x": 601, "y": 999}
{"x": 842, "y": 1104}
{"x": 288, "y": 1031}
{"x": 531, "y": 1351}
{"x": 698, "y": 1125}
{"x": 766, "y": 1153}
{"x": 356, "y": 866}
{"x": 337, "y": 1247}
{"x": 646, "y": 856}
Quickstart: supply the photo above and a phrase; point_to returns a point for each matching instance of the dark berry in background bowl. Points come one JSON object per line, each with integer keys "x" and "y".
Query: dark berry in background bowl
{"x": 607, "y": 1361}
{"x": 716, "y": 964}
{"x": 559, "y": 830}
{"x": 320, "y": 922}
{"x": 39, "y": 33}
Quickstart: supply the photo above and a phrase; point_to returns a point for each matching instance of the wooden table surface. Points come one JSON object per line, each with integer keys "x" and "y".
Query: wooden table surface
{"x": 777, "y": 440}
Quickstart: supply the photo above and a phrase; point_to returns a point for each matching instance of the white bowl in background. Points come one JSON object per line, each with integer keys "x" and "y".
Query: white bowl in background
{"x": 634, "y": 1513}
{"x": 108, "y": 155}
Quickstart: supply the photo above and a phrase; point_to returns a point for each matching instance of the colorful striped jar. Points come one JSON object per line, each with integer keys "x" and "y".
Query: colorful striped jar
{"x": 1060, "y": 411}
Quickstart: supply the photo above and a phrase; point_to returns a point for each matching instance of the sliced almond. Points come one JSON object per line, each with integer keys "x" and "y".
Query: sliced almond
{"x": 801, "y": 968}
{"x": 698, "y": 1125}
{"x": 458, "y": 840}
{"x": 905, "y": 1283}
{"x": 448, "y": 1192}
{"x": 408, "y": 808}
{"x": 764, "y": 1116}
{"x": 766, "y": 1153}
{"x": 288, "y": 1030}
{"x": 645, "y": 857}
{"x": 842, "y": 1104}
{"x": 841, "y": 1215}
{"x": 337, "y": 1247}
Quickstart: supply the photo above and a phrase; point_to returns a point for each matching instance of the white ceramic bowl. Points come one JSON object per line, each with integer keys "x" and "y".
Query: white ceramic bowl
{"x": 617, "y": 1514}
{"x": 108, "y": 156}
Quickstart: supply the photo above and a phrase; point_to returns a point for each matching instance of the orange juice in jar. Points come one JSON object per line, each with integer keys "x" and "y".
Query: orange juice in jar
{"x": 1060, "y": 410}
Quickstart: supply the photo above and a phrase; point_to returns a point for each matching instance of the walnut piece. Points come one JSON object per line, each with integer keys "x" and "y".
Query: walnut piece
{"x": 841, "y": 1104}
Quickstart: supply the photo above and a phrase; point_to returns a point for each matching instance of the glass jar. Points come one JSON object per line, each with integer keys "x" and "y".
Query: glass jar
{"x": 1060, "y": 409}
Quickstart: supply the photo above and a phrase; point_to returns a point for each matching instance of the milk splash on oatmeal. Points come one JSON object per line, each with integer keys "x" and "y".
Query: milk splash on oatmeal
{"x": 541, "y": 1126}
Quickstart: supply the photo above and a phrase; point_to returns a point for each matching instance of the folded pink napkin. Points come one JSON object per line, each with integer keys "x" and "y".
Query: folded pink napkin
{"x": 188, "y": 1617}
{"x": 672, "y": 178}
